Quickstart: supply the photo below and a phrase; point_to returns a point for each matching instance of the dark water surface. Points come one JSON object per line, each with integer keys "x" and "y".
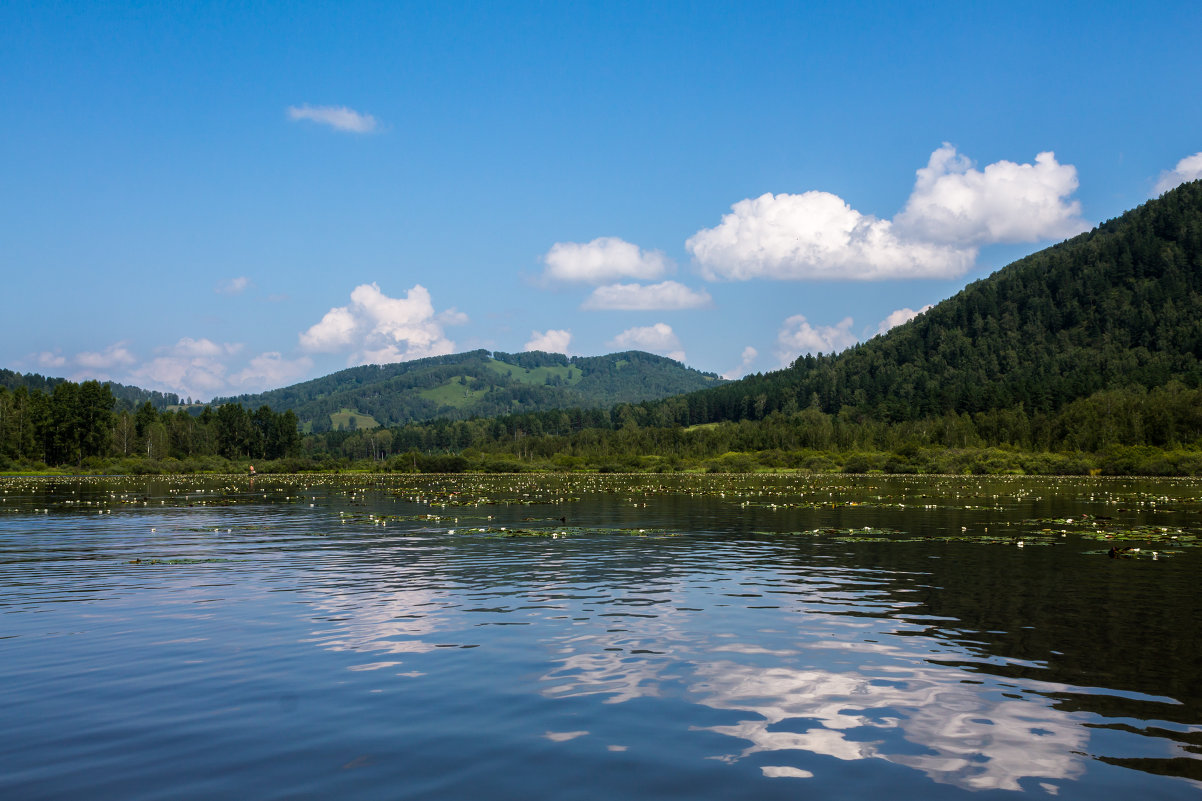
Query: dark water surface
{"x": 681, "y": 637}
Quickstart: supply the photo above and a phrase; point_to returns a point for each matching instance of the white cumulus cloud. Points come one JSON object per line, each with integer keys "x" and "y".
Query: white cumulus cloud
{"x": 202, "y": 348}
{"x": 194, "y": 377}
{"x": 337, "y": 329}
{"x": 816, "y": 235}
{"x": 379, "y": 329}
{"x": 555, "y": 340}
{"x": 340, "y": 118}
{"x": 114, "y": 356}
{"x": 666, "y": 295}
{"x": 955, "y": 203}
{"x": 603, "y": 260}
{"x": 1188, "y": 169}
{"x": 270, "y": 370}
{"x": 953, "y": 210}
{"x": 52, "y": 359}
{"x": 898, "y": 317}
{"x": 199, "y": 367}
{"x": 748, "y": 357}
{"x": 195, "y": 367}
{"x": 797, "y": 336}
{"x": 658, "y": 338}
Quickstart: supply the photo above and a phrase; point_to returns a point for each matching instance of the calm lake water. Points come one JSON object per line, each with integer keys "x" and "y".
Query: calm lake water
{"x": 600, "y": 637}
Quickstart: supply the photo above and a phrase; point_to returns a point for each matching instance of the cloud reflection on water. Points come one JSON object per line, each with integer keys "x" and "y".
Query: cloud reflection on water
{"x": 973, "y": 736}
{"x": 377, "y": 622}
{"x": 956, "y": 726}
{"x": 607, "y": 664}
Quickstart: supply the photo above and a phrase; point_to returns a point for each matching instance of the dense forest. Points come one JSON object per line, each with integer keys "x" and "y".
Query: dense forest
{"x": 480, "y": 384}
{"x": 1126, "y": 431}
{"x": 79, "y": 425}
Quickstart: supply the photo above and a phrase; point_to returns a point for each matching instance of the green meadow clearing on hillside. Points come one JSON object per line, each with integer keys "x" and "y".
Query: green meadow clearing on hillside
{"x": 350, "y": 419}
{"x": 538, "y": 376}
{"x": 456, "y": 394}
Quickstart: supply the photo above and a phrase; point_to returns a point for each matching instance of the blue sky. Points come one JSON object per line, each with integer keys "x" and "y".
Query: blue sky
{"x": 219, "y": 198}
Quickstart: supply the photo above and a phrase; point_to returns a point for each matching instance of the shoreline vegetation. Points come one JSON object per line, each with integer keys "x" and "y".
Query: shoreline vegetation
{"x": 1129, "y": 461}
{"x": 81, "y": 429}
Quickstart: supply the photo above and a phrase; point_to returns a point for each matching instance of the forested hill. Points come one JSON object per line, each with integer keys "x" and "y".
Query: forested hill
{"x": 1119, "y": 307}
{"x": 128, "y": 398}
{"x": 478, "y": 383}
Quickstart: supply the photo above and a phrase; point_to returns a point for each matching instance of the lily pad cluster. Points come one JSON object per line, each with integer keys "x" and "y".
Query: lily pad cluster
{"x": 1107, "y": 529}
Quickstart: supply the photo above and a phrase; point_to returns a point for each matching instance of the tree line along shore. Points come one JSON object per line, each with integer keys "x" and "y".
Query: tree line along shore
{"x": 76, "y": 428}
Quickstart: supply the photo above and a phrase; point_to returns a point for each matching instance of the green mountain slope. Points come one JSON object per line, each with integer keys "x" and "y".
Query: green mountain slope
{"x": 1115, "y": 308}
{"x": 478, "y": 383}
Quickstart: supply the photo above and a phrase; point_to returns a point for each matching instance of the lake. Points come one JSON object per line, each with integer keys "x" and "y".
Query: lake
{"x": 603, "y": 636}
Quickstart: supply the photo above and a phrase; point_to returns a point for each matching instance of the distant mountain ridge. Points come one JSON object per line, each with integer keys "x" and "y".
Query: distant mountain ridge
{"x": 478, "y": 384}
